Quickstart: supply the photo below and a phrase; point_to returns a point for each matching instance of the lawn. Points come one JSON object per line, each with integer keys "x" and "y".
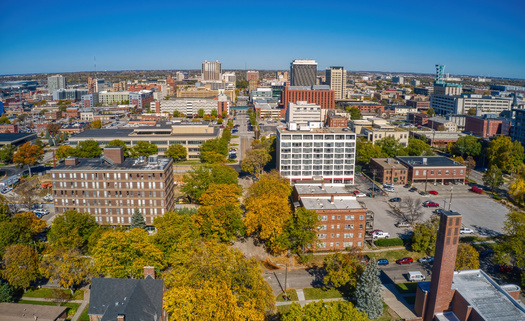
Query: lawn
{"x": 48, "y": 293}
{"x": 409, "y": 287}
{"x": 321, "y": 293}
{"x": 394, "y": 255}
{"x": 234, "y": 136}
{"x": 386, "y": 316}
{"x": 73, "y": 307}
{"x": 84, "y": 316}
{"x": 283, "y": 309}
{"x": 291, "y": 292}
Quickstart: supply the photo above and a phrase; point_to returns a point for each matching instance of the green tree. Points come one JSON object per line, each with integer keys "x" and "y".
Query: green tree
{"x": 214, "y": 113}
{"x": 417, "y": 147}
{"x": 431, "y": 112}
{"x": 177, "y": 152}
{"x": 7, "y": 152}
{"x": 300, "y": 232}
{"x": 200, "y": 177}
{"x": 20, "y": 266}
{"x": 366, "y": 150}
{"x": 72, "y": 230}
{"x": 4, "y": 120}
{"x": 471, "y": 111}
{"x": 424, "y": 236}
{"x": 368, "y": 292}
{"x": 467, "y": 146}
{"x": 324, "y": 311}
{"x": 214, "y": 150}
{"x": 517, "y": 187}
{"x": 137, "y": 220}
{"x": 6, "y": 292}
{"x": 143, "y": 148}
{"x": 28, "y": 154}
{"x": 64, "y": 151}
{"x": 512, "y": 247}
{"x": 21, "y": 117}
{"x": 355, "y": 113}
{"x": 19, "y": 229}
{"x": 242, "y": 84}
{"x": 493, "y": 178}
{"x": 255, "y": 160}
{"x": 505, "y": 154}
{"x": 68, "y": 267}
{"x": 87, "y": 149}
{"x": 343, "y": 270}
{"x": 219, "y": 215}
{"x": 391, "y": 147}
{"x": 200, "y": 112}
{"x": 176, "y": 113}
{"x": 120, "y": 143}
{"x": 467, "y": 258}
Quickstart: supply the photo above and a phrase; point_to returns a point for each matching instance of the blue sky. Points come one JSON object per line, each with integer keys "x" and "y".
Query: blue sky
{"x": 470, "y": 37}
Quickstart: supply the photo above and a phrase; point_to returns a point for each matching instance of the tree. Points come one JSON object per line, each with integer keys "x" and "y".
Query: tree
{"x": 467, "y": 258}
{"x": 6, "y": 292}
{"x": 417, "y": 147}
{"x": 72, "y": 230}
{"x": 53, "y": 128}
{"x": 20, "y": 266}
{"x": 365, "y": 151}
{"x": 431, "y": 112}
{"x": 300, "y": 231}
{"x": 493, "y": 178}
{"x": 471, "y": 164}
{"x": 391, "y": 147}
{"x": 214, "y": 113}
{"x": 368, "y": 292}
{"x": 19, "y": 229}
{"x": 505, "y": 154}
{"x": 326, "y": 311}
{"x": 467, "y": 145}
{"x": 28, "y": 154}
{"x": 143, "y": 148}
{"x": 343, "y": 270}
{"x": 87, "y": 149}
{"x": 7, "y": 152}
{"x": 517, "y": 187}
{"x": 200, "y": 112}
{"x": 197, "y": 180}
{"x": 410, "y": 210}
{"x": 214, "y": 150}
{"x": 137, "y": 220}
{"x": 21, "y": 117}
{"x": 4, "y": 120}
{"x": 424, "y": 236}
{"x": 68, "y": 267}
{"x": 177, "y": 152}
{"x": 96, "y": 124}
{"x": 220, "y": 215}
{"x": 123, "y": 254}
{"x": 64, "y": 151}
{"x": 119, "y": 143}
{"x": 355, "y": 113}
{"x": 176, "y": 113}
{"x": 267, "y": 208}
{"x": 217, "y": 282}
{"x": 255, "y": 160}
{"x": 471, "y": 111}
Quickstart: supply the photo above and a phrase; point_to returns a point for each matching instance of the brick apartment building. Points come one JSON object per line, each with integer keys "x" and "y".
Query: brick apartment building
{"x": 333, "y": 120}
{"x": 111, "y": 187}
{"x": 342, "y": 221}
{"x": 421, "y": 105}
{"x": 320, "y": 95}
{"x": 369, "y": 108}
{"x": 419, "y": 119}
{"x": 486, "y": 127}
{"x": 9, "y": 128}
{"x": 389, "y": 170}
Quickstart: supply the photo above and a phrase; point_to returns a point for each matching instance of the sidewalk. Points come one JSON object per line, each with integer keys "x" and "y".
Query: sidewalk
{"x": 394, "y": 300}
{"x": 83, "y": 303}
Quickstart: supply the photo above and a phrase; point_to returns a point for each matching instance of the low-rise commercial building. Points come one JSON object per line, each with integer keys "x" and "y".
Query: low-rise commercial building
{"x": 389, "y": 170}
{"x": 442, "y": 124}
{"x": 376, "y": 133}
{"x": 434, "y": 169}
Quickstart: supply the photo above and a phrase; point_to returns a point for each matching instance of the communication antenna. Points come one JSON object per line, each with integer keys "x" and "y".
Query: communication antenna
{"x": 95, "y": 60}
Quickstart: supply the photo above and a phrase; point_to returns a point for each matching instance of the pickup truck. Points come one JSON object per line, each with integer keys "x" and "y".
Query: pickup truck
{"x": 381, "y": 235}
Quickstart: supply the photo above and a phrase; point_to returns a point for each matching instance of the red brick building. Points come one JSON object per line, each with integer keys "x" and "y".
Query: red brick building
{"x": 9, "y": 128}
{"x": 71, "y": 113}
{"x": 418, "y": 119}
{"x": 485, "y": 127}
{"x": 41, "y": 128}
{"x": 292, "y": 94}
{"x": 433, "y": 169}
{"x": 333, "y": 120}
{"x": 421, "y": 105}
{"x": 368, "y": 108}
{"x": 389, "y": 170}
{"x": 53, "y": 115}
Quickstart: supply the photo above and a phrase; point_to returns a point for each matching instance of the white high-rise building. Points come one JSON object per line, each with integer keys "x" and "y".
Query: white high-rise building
{"x": 55, "y": 83}
{"x": 211, "y": 70}
{"x": 336, "y": 79}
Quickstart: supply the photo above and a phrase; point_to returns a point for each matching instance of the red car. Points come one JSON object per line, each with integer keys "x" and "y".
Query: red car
{"x": 433, "y": 192}
{"x": 375, "y": 231}
{"x": 405, "y": 260}
{"x": 431, "y": 204}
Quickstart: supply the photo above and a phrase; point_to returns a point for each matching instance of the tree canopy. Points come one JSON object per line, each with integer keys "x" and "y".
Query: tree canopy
{"x": 505, "y": 154}
{"x": 355, "y": 113}
{"x": 324, "y": 311}
{"x": 417, "y": 147}
{"x": 68, "y": 267}
{"x": 137, "y": 220}
{"x": 368, "y": 291}
{"x": 366, "y": 150}
{"x": 121, "y": 143}
{"x": 467, "y": 258}
{"x": 143, "y": 148}
{"x": 255, "y": 160}
{"x": 7, "y": 152}
{"x": 177, "y": 152}
{"x": 493, "y": 178}
{"x": 424, "y": 236}
{"x": 64, "y": 151}
{"x": 467, "y": 146}
{"x": 300, "y": 231}
{"x": 87, "y": 149}
{"x": 20, "y": 266}
{"x": 197, "y": 180}
{"x": 28, "y": 154}
{"x": 19, "y": 229}
{"x": 72, "y": 230}
{"x": 343, "y": 270}
{"x": 391, "y": 147}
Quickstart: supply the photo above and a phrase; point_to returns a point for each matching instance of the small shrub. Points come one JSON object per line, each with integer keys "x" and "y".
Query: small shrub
{"x": 389, "y": 242}
{"x": 304, "y": 258}
{"x": 496, "y": 197}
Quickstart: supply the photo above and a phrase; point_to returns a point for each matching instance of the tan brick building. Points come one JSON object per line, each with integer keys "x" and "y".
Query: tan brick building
{"x": 111, "y": 187}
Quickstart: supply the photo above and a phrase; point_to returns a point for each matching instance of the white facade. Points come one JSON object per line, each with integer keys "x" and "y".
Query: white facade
{"x": 211, "y": 70}
{"x": 303, "y": 112}
{"x": 55, "y": 83}
{"x": 327, "y": 154}
{"x": 106, "y": 98}
{"x": 188, "y": 106}
{"x": 445, "y": 104}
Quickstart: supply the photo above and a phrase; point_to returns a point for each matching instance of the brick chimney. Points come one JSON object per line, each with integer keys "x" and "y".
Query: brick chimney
{"x": 149, "y": 270}
{"x": 121, "y": 317}
{"x": 71, "y": 161}
{"x": 114, "y": 154}
{"x": 332, "y": 199}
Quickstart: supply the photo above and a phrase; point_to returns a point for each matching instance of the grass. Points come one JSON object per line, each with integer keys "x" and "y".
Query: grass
{"x": 73, "y": 307}
{"x": 84, "y": 316}
{"x": 321, "y": 293}
{"x": 283, "y": 309}
{"x": 410, "y": 299}
{"x": 234, "y": 144}
{"x": 235, "y": 136}
{"x": 404, "y": 288}
{"x": 48, "y": 293}
{"x": 291, "y": 292}
{"x": 386, "y": 316}
{"x": 394, "y": 255}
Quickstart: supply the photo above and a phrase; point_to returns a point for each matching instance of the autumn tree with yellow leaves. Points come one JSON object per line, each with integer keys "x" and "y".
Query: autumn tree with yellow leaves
{"x": 467, "y": 258}
{"x": 66, "y": 266}
{"x": 20, "y": 266}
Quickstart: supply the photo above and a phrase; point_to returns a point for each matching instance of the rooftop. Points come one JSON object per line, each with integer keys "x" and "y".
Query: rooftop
{"x": 101, "y": 164}
{"x": 432, "y": 161}
{"x": 19, "y": 311}
{"x": 315, "y": 189}
{"x": 314, "y": 87}
{"x": 389, "y": 163}
{"x": 318, "y": 130}
{"x": 324, "y": 203}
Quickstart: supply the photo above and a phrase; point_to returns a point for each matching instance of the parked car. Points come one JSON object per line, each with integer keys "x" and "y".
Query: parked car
{"x": 413, "y": 189}
{"x": 382, "y": 262}
{"x": 375, "y": 231}
{"x": 487, "y": 253}
{"x": 426, "y": 259}
{"x": 405, "y": 260}
{"x": 395, "y": 199}
{"x": 433, "y": 192}
{"x": 388, "y": 185}
{"x": 476, "y": 189}
{"x": 424, "y": 194}
{"x": 375, "y": 188}
{"x": 359, "y": 194}
{"x": 466, "y": 230}
{"x": 381, "y": 235}
{"x": 402, "y": 224}
{"x": 438, "y": 211}
{"x": 431, "y": 204}
{"x": 182, "y": 200}
{"x": 407, "y": 185}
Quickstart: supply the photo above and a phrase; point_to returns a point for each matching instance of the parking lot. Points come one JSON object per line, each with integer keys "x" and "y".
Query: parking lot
{"x": 480, "y": 213}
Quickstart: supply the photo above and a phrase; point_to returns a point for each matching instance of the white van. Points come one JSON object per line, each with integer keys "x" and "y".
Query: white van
{"x": 415, "y": 276}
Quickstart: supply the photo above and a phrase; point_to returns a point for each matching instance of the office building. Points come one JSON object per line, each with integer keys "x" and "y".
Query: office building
{"x": 518, "y": 125}
{"x": 388, "y": 171}
{"x": 320, "y": 95}
{"x": 400, "y": 80}
{"x": 442, "y": 124}
{"x": 303, "y": 113}
{"x": 187, "y": 106}
{"x": 507, "y": 88}
{"x": 336, "y": 79}
{"x": 487, "y": 125}
{"x": 433, "y": 169}
{"x": 55, "y": 83}
{"x": 110, "y": 188}
{"x": 316, "y": 154}
{"x": 252, "y": 75}
{"x": 343, "y": 222}
{"x": 441, "y": 87}
{"x": 90, "y": 100}
{"x": 421, "y": 105}
{"x": 211, "y": 70}
{"x": 303, "y": 72}
{"x": 141, "y": 99}
{"x": 461, "y": 104}
{"x": 96, "y": 85}
{"x": 69, "y": 94}
{"x": 424, "y": 91}
{"x": 415, "y": 82}
{"x": 229, "y": 77}
{"x": 334, "y": 120}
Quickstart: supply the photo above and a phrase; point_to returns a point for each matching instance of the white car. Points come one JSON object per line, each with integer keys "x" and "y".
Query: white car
{"x": 360, "y": 195}
{"x": 381, "y": 235}
{"x": 466, "y": 230}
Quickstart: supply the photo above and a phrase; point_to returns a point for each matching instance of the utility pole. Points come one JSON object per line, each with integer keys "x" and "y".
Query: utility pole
{"x": 426, "y": 180}
{"x": 450, "y": 203}
{"x": 285, "y": 279}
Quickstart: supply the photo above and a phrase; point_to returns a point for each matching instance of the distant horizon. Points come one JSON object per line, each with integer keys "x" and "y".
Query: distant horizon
{"x": 471, "y": 37}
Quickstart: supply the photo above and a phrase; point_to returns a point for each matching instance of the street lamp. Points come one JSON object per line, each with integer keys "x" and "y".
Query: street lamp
{"x": 450, "y": 203}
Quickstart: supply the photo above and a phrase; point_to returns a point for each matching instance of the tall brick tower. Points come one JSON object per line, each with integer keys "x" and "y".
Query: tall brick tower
{"x": 440, "y": 294}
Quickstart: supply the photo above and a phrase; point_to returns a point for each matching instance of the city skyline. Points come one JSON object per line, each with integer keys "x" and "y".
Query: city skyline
{"x": 470, "y": 37}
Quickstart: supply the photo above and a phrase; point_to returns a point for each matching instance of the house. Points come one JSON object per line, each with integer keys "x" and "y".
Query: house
{"x": 127, "y": 299}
